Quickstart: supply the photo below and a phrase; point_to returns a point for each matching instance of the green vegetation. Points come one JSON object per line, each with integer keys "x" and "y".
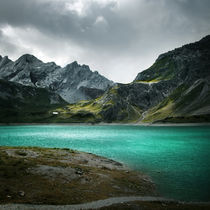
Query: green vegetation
{"x": 162, "y": 69}
{"x": 182, "y": 73}
{"x": 166, "y": 108}
{"x": 11, "y": 167}
{"x": 26, "y": 104}
{"x": 149, "y": 81}
{"x": 84, "y": 111}
{"x": 179, "y": 106}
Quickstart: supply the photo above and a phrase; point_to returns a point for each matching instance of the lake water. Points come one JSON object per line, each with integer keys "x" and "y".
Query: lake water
{"x": 176, "y": 158}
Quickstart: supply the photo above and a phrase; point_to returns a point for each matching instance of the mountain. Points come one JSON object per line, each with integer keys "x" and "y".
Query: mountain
{"x": 176, "y": 88}
{"x": 73, "y": 82}
{"x": 19, "y": 103}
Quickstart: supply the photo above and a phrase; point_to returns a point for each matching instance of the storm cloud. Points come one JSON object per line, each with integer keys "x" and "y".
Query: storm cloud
{"x": 119, "y": 38}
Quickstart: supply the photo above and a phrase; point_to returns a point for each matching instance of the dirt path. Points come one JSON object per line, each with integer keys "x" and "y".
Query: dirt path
{"x": 92, "y": 205}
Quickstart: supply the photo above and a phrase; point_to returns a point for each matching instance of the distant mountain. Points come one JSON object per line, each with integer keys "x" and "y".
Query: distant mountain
{"x": 176, "y": 88}
{"x": 73, "y": 82}
{"x": 19, "y": 103}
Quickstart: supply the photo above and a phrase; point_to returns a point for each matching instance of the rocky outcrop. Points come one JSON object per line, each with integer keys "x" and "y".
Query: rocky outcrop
{"x": 186, "y": 73}
{"x": 70, "y": 82}
{"x": 176, "y": 85}
{"x": 185, "y": 64}
{"x": 179, "y": 77}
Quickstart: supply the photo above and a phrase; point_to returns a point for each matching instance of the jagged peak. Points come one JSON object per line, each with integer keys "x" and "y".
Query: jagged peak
{"x": 28, "y": 58}
{"x": 4, "y": 60}
{"x": 190, "y": 51}
{"x": 205, "y": 40}
{"x": 86, "y": 67}
{"x": 76, "y": 65}
{"x": 72, "y": 65}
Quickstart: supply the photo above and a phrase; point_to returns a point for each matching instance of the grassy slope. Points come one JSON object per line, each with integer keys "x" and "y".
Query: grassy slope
{"x": 26, "y": 104}
{"x": 181, "y": 106}
{"x": 162, "y": 69}
{"x": 103, "y": 109}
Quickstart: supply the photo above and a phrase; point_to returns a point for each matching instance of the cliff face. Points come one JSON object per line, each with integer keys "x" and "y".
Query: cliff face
{"x": 187, "y": 70}
{"x": 184, "y": 64}
{"x": 73, "y": 82}
{"x": 175, "y": 88}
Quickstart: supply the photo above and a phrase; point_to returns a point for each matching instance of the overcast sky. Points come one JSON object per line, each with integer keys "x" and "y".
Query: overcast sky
{"x": 118, "y": 38}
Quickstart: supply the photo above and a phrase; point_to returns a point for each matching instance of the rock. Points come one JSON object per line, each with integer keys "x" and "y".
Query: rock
{"x": 73, "y": 83}
{"x": 21, "y": 193}
{"x": 163, "y": 204}
{"x": 79, "y": 171}
{"x": 185, "y": 70}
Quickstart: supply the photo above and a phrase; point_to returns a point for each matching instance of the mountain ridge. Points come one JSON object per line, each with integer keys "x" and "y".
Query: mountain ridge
{"x": 170, "y": 90}
{"x": 175, "y": 88}
{"x": 29, "y": 70}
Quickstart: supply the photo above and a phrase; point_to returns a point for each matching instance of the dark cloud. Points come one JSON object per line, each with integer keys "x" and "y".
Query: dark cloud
{"x": 53, "y": 18}
{"x": 8, "y": 47}
{"x": 118, "y": 37}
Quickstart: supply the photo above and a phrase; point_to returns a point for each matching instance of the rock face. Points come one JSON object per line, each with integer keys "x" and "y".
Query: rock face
{"x": 175, "y": 88}
{"x": 73, "y": 82}
{"x": 185, "y": 64}
{"x": 19, "y": 103}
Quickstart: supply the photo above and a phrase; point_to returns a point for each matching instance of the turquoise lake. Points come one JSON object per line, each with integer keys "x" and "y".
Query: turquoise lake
{"x": 176, "y": 158}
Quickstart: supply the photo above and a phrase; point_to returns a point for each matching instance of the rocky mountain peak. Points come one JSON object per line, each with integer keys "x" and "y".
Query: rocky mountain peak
{"x": 74, "y": 82}
{"x": 86, "y": 67}
{"x": 74, "y": 64}
{"x": 183, "y": 64}
{"x": 4, "y": 60}
{"x": 27, "y": 58}
{"x": 70, "y": 66}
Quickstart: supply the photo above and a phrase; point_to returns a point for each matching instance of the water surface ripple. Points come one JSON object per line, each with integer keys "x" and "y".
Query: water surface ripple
{"x": 177, "y": 158}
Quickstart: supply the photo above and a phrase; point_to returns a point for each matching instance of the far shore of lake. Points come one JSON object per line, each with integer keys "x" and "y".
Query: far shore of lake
{"x": 110, "y": 124}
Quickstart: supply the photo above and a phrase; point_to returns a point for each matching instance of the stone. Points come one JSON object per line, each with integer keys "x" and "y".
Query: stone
{"x": 21, "y": 193}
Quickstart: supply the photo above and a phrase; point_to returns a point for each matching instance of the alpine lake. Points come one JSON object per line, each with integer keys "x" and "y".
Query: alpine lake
{"x": 177, "y": 158}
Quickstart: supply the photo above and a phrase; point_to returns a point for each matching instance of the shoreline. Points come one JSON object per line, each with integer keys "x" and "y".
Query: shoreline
{"x": 113, "y": 202}
{"x": 112, "y": 124}
{"x": 59, "y": 176}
